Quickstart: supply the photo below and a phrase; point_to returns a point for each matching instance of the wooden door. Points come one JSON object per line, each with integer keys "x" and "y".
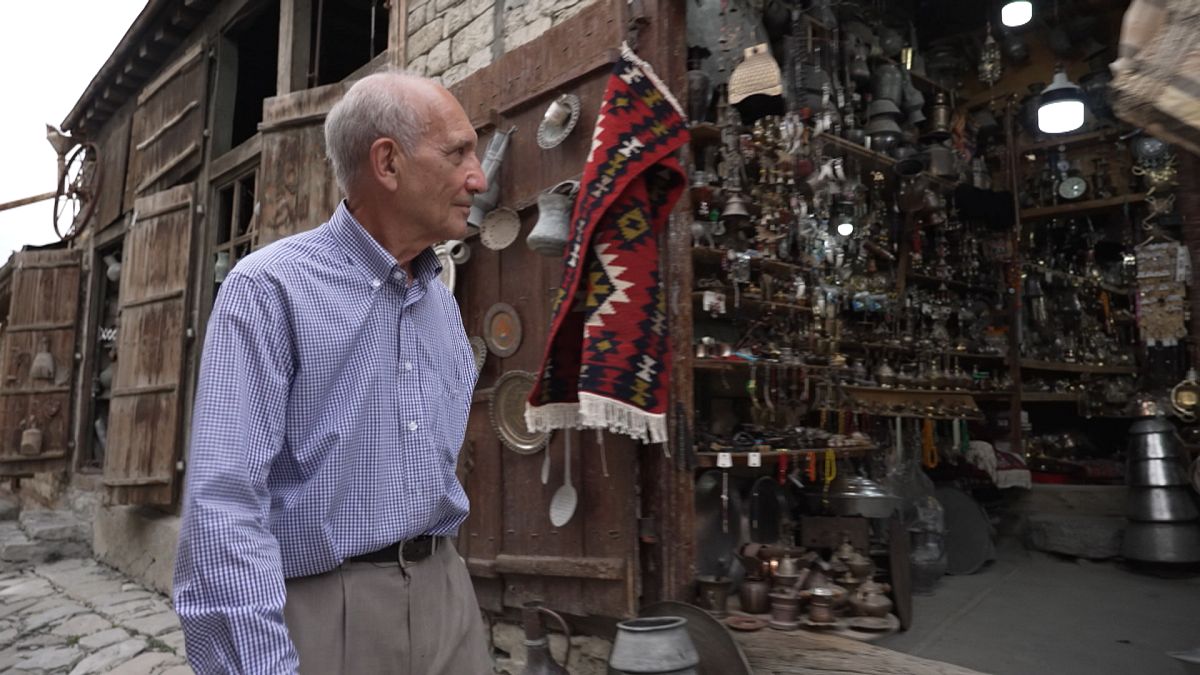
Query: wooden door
{"x": 41, "y": 319}
{"x": 168, "y": 126}
{"x": 144, "y": 437}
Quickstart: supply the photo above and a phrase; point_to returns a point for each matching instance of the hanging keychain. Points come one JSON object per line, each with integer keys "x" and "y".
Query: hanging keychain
{"x": 811, "y": 459}
{"x": 956, "y": 434}
{"x": 781, "y": 475}
{"x": 830, "y": 474}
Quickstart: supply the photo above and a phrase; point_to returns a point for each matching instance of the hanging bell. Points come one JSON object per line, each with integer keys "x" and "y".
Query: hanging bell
{"x": 735, "y": 208}
{"x": 42, "y": 367}
{"x": 550, "y": 233}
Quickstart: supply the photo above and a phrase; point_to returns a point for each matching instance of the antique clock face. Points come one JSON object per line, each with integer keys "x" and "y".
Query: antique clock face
{"x": 1072, "y": 187}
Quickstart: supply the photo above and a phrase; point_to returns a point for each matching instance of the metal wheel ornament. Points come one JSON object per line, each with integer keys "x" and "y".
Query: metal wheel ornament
{"x": 79, "y": 182}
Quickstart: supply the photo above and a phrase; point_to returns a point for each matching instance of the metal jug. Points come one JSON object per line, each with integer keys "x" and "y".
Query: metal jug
{"x": 31, "y": 441}
{"x": 42, "y": 367}
{"x": 550, "y": 234}
{"x": 538, "y": 659}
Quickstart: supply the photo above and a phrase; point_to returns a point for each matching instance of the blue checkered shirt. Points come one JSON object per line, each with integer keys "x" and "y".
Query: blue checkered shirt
{"x": 331, "y": 405}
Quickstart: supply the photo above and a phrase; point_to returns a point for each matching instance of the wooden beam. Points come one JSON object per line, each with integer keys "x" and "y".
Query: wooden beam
{"x": 398, "y": 33}
{"x": 295, "y": 53}
{"x": 610, "y": 569}
{"x": 135, "y": 68}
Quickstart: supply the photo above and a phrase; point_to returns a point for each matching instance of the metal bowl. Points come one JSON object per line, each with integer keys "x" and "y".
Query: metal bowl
{"x": 1156, "y": 473}
{"x": 1162, "y": 542}
{"x": 1161, "y": 504}
{"x": 1153, "y": 439}
{"x": 858, "y": 496}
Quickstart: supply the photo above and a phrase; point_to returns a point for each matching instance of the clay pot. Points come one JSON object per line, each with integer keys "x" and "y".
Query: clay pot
{"x": 870, "y": 600}
{"x": 713, "y": 593}
{"x": 654, "y": 645}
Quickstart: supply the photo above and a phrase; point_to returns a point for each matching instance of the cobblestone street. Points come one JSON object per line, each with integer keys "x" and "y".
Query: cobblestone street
{"x": 77, "y": 616}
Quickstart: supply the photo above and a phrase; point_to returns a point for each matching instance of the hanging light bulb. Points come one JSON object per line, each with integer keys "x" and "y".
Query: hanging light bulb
{"x": 1016, "y": 13}
{"x": 845, "y": 228}
{"x": 1061, "y": 109}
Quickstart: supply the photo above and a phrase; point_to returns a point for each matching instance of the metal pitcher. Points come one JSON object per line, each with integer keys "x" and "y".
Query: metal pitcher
{"x": 538, "y": 659}
{"x": 492, "y": 159}
{"x": 887, "y": 82}
{"x": 550, "y": 234}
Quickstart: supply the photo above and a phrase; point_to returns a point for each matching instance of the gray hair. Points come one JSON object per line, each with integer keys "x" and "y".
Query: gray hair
{"x": 381, "y": 105}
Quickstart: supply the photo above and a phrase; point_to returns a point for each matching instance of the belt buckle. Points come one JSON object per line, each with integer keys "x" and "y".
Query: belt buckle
{"x": 404, "y": 564}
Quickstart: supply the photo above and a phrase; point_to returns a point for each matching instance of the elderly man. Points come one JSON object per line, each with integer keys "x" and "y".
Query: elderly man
{"x": 333, "y": 397}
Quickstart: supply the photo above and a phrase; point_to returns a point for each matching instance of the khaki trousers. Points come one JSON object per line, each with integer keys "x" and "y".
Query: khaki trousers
{"x": 377, "y": 618}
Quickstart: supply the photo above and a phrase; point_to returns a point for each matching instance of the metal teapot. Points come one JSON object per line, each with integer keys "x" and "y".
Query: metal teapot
{"x": 550, "y": 234}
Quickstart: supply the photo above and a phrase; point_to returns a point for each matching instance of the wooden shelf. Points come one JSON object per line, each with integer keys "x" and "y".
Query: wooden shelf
{"x": 1049, "y": 397}
{"x": 1082, "y": 208}
{"x": 777, "y": 267}
{"x": 1069, "y": 140}
{"x": 950, "y": 283}
{"x": 876, "y": 160}
{"x": 705, "y": 133}
{"x": 734, "y": 364}
{"x": 992, "y": 395}
{"x": 851, "y": 345}
{"x": 1078, "y": 280}
{"x": 1057, "y": 367}
{"x": 754, "y": 302}
{"x": 706, "y": 460}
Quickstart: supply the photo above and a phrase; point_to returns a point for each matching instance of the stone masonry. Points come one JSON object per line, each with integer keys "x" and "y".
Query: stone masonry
{"x": 450, "y": 39}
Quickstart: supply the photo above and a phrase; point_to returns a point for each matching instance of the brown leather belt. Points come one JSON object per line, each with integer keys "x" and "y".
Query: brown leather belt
{"x": 405, "y": 553}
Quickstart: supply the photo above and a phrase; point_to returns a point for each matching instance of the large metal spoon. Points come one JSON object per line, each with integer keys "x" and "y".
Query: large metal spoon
{"x": 562, "y": 505}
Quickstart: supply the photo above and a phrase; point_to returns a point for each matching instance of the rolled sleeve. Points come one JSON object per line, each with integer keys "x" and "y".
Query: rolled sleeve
{"x": 229, "y": 585}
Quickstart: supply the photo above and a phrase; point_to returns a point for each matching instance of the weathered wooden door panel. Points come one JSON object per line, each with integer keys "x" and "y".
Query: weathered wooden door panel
{"x": 299, "y": 191}
{"x": 144, "y": 437}
{"x": 587, "y": 566}
{"x": 168, "y": 125}
{"x": 42, "y": 318}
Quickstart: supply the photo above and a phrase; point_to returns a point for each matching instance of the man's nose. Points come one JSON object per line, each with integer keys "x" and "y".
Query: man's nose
{"x": 477, "y": 183}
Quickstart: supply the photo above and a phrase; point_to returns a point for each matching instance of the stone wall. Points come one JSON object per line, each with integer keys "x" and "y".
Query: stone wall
{"x": 450, "y": 39}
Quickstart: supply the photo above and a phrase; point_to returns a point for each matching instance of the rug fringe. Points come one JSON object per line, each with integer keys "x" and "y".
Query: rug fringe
{"x": 597, "y": 412}
{"x": 622, "y": 418}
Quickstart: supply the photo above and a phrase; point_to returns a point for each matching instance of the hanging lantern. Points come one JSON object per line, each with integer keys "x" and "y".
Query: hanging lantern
{"x": 990, "y": 64}
{"x": 1016, "y": 13}
{"x": 1061, "y": 109}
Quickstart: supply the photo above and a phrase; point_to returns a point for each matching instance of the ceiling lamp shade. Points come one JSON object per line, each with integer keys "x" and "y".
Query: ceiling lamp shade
{"x": 1061, "y": 109}
{"x": 1016, "y": 13}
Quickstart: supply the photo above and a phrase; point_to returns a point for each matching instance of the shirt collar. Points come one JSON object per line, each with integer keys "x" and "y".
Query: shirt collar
{"x": 367, "y": 254}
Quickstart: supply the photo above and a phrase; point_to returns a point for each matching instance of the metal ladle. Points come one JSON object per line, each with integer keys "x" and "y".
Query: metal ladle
{"x": 562, "y": 505}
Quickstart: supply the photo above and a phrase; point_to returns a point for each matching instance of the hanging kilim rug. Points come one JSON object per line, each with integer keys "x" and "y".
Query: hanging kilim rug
{"x": 607, "y": 360}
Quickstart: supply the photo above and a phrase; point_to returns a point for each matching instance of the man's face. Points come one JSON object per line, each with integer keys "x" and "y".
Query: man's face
{"x": 442, "y": 175}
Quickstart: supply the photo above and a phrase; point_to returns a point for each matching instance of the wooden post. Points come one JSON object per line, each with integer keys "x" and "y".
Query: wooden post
{"x": 1014, "y": 290}
{"x": 1187, "y": 205}
{"x": 398, "y": 33}
{"x": 295, "y": 36}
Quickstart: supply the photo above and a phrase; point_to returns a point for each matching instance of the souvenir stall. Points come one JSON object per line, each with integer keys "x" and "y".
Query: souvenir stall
{"x": 898, "y": 274}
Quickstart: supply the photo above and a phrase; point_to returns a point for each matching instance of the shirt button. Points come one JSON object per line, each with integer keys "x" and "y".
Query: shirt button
{"x": 398, "y": 276}
{"x": 408, "y": 365}
{"x": 375, "y": 283}
{"x": 412, "y": 426}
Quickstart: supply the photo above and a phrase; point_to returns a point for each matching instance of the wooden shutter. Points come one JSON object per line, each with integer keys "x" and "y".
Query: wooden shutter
{"x": 144, "y": 434}
{"x": 168, "y": 125}
{"x": 43, "y": 313}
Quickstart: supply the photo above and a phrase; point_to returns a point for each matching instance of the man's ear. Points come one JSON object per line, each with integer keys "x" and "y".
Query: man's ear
{"x": 385, "y": 162}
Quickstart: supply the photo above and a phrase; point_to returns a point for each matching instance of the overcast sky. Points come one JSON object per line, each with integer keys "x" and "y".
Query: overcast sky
{"x": 49, "y": 51}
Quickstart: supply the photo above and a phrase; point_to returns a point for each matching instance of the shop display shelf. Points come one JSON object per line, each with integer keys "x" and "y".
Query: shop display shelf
{"x": 876, "y": 160}
{"x": 1082, "y": 208}
{"x": 708, "y": 254}
{"x": 950, "y": 283}
{"x": 1078, "y": 280}
{"x": 707, "y": 460}
{"x": 1050, "y": 397}
{"x": 717, "y": 365}
{"x": 754, "y": 302}
{"x": 1060, "y": 367}
{"x": 1069, "y": 140}
{"x": 880, "y": 346}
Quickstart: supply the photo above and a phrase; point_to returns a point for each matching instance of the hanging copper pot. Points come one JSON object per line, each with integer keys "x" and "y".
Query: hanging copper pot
{"x": 939, "y": 123}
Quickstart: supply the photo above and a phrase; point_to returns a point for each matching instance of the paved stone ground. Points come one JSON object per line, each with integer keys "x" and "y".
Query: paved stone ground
{"x": 77, "y": 616}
